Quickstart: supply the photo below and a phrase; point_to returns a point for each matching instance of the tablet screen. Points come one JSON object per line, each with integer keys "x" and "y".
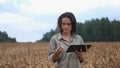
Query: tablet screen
{"x": 72, "y": 48}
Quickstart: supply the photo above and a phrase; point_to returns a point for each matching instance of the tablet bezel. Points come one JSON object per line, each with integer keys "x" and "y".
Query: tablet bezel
{"x": 72, "y": 48}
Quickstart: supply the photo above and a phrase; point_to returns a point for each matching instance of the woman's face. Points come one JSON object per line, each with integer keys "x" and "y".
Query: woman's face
{"x": 66, "y": 25}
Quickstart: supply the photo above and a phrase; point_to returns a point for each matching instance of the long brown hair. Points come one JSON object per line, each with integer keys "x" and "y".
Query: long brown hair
{"x": 71, "y": 17}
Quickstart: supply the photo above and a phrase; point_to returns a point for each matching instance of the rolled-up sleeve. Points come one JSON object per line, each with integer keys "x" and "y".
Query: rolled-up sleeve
{"x": 52, "y": 48}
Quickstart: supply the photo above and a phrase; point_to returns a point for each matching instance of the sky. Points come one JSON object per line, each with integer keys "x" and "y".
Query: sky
{"x": 28, "y": 20}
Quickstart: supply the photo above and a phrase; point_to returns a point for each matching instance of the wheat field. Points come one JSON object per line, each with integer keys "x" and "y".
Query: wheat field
{"x": 35, "y": 55}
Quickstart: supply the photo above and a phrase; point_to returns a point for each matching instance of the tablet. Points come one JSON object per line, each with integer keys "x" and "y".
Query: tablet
{"x": 72, "y": 48}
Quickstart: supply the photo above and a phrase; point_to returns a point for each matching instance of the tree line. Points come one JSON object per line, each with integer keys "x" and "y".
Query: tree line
{"x": 5, "y": 38}
{"x": 99, "y": 30}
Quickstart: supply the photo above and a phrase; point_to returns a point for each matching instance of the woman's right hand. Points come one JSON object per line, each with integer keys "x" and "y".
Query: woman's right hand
{"x": 57, "y": 52}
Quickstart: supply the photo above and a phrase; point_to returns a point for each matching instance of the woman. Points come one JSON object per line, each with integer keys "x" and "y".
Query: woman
{"x": 61, "y": 41}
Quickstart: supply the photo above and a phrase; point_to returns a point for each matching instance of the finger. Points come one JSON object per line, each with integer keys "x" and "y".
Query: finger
{"x": 80, "y": 50}
{"x": 58, "y": 48}
{"x": 76, "y": 51}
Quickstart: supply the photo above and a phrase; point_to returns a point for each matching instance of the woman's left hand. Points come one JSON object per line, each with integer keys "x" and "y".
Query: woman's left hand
{"x": 80, "y": 55}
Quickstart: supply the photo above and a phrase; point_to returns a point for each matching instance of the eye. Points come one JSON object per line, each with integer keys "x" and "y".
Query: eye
{"x": 63, "y": 24}
{"x": 68, "y": 24}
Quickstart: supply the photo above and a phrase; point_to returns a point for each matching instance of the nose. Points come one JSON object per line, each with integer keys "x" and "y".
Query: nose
{"x": 66, "y": 25}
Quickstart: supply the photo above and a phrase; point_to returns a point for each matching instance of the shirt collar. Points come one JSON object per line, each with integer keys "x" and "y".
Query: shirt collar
{"x": 60, "y": 36}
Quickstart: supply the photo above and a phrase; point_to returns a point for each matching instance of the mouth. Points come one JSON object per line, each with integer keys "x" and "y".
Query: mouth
{"x": 65, "y": 30}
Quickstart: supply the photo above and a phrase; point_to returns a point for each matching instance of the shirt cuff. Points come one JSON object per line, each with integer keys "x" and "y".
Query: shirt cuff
{"x": 51, "y": 58}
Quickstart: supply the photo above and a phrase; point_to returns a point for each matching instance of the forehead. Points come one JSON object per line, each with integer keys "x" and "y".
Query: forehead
{"x": 65, "y": 19}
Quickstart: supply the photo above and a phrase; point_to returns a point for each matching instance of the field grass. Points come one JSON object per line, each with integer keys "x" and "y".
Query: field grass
{"x": 35, "y": 55}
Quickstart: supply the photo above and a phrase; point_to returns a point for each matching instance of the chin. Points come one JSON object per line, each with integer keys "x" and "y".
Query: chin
{"x": 66, "y": 31}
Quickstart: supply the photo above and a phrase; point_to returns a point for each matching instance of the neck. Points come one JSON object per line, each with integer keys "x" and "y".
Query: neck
{"x": 66, "y": 34}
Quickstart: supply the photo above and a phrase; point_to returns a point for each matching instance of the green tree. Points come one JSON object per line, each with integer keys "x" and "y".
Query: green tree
{"x": 47, "y": 36}
{"x": 5, "y": 38}
{"x": 115, "y": 30}
{"x": 94, "y": 30}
